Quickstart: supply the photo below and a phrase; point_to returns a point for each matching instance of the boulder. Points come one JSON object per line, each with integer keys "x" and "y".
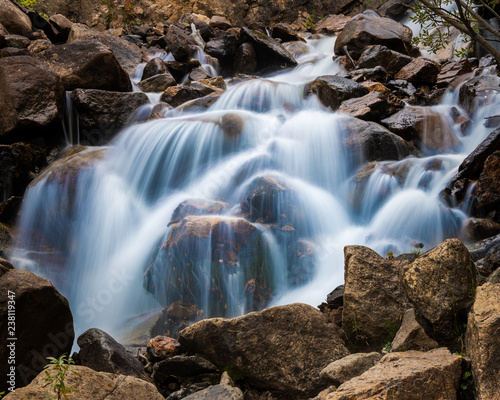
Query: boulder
{"x": 62, "y": 25}
{"x": 218, "y": 392}
{"x": 13, "y": 19}
{"x": 199, "y": 207}
{"x": 178, "y": 70}
{"x": 177, "y": 95}
{"x": 343, "y": 370}
{"x": 43, "y": 326}
{"x": 332, "y": 90}
{"x": 420, "y": 70}
{"x": 222, "y": 47}
{"x": 102, "y": 114}
{"x": 198, "y": 74}
{"x": 473, "y": 164}
{"x": 371, "y": 107}
{"x": 411, "y": 335}
{"x": 271, "y": 55}
{"x": 157, "y": 83}
{"x": 161, "y": 347}
{"x": 181, "y": 366}
{"x": 482, "y": 341}
{"x": 332, "y": 24}
{"x": 285, "y": 34}
{"x": 31, "y": 97}
{"x": 220, "y": 22}
{"x": 90, "y": 384}
{"x": 411, "y": 375}
{"x": 440, "y": 284}
{"x": 477, "y": 92}
{"x": 296, "y": 340}
{"x": 154, "y": 67}
{"x": 376, "y": 55}
{"x": 245, "y": 60}
{"x": 476, "y": 229}
{"x": 16, "y": 41}
{"x": 374, "y": 298}
{"x": 86, "y": 64}
{"x": 370, "y": 28}
{"x": 492, "y": 260}
{"x": 179, "y": 43}
{"x": 5, "y": 266}
{"x": 452, "y": 71}
{"x": 488, "y": 190}
{"x": 37, "y": 46}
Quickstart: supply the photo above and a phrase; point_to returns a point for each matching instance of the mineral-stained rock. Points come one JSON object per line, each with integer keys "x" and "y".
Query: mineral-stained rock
{"x": 340, "y": 371}
{"x": 161, "y": 347}
{"x": 451, "y": 71}
{"x": 489, "y": 188}
{"x": 440, "y": 284}
{"x": 476, "y": 92}
{"x": 411, "y": 375}
{"x": 376, "y": 55}
{"x": 371, "y": 107}
{"x": 482, "y": 341}
{"x": 177, "y": 95}
{"x": 420, "y": 70}
{"x": 411, "y": 335}
{"x": 281, "y": 348}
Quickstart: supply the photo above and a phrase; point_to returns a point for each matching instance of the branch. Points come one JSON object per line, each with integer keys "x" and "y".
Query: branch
{"x": 478, "y": 18}
{"x": 491, "y": 10}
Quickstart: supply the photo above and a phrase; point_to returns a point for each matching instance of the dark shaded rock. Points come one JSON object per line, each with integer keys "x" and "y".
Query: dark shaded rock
{"x": 13, "y": 19}
{"x": 198, "y": 74}
{"x": 245, "y": 60}
{"x": 420, "y": 70}
{"x": 411, "y": 335}
{"x": 332, "y": 24}
{"x": 222, "y": 47}
{"x": 179, "y": 43}
{"x": 473, "y": 164}
{"x": 343, "y": 370}
{"x": 476, "y": 229}
{"x": 377, "y": 74}
{"x": 402, "y": 88}
{"x": 220, "y": 22}
{"x": 285, "y": 33}
{"x": 13, "y": 52}
{"x": 181, "y": 366}
{"x": 177, "y": 95}
{"x": 43, "y": 325}
{"x": 178, "y": 70}
{"x": 476, "y": 92}
{"x": 134, "y": 39}
{"x": 492, "y": 259}
{"x": 335, "y": 299}
{"x": 488, "y": 190}
{"x": 154, "y": 67}
{"x": 376, "y": 55}
{"x": 9, "y": 209}
{"x": 157, "y": 83}
{"x": 5, "y": 266}
{"x": 16, "y": 41}
{"x": 62, "y": 25}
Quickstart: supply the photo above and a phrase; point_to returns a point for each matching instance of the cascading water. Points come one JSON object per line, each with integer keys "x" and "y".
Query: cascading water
{"x": 246, "y": 205}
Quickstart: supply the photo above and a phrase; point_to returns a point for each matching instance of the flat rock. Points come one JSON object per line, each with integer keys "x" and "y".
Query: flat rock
{"x": 371, "y": 107}
{"x": 343, "y": 370}
{"x": 451, "y": 71}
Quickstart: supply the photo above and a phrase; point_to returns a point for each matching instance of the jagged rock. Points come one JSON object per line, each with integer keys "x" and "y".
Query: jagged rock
{"x": 90, "y": 384}
{"x": 102, "y": 114}
{"x": 216, "y": 81}
{"x": 411, "y": 375}
{"x": 476, "y": 229}
{"x": 378, "y": 74}
{"x": 371, "y": 107}
{"x": 220, "y": 22}
{"x": 13, "y": 52}
{"x": 161, "y": 347}
{"x": 86, "y": 64}
{"x": 31, "y": 97}
{"x": 181, "y": 366}
{"x": 245, "y": 60}
{"x": 420, "y": 70}
{"x": 222, "y": 46}
{"x": 333, "y": 90}
{"x": 154, "y": 67}
{"x": 376, "y": 55}
{"x": 401, "y": 88}
{"x": 492, "y": 259}
{"x": 335, "y": 299}
{"x": 178, "y": 70}
{"x": 411, "y": 335}
{"x": 332, "y": 24}
{"x": 482, "y": 341}
{"x": 488, "y": 190}
{"x": 102, "y": 353}
{"x": 198, "y": 207}
{"x": 376, "y": 87}
{"x": 343, "y": 370}
{"x": 13, "y": 19}
{"x": 37, "y": 46}
{"x": 179, "y": 43}
{"x": 476, "y": 92}
{"x": 370, "y": 28}
{"x": 296, "y": 339}
{"x": 43, "y": 326}
{"x": 374, "y": 299}
{"x": 217, "y": 392}
{"x": 439, "y": 284}
{"x": 451, "y": 71}
{"x": 157, "y": 83}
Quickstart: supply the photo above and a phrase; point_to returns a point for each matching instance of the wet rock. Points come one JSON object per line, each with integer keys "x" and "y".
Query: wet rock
{"x": 439, "y": 284}
{"x": 376, "y": 55}
{"x": 473, "y": 164}
{"x": 217, "y": 82}
{"x": 178, "y": 70}
{"x": 476, "y": 92}
{"x": 198, "y": 74}
{"x": 13, "y": 19}
{"x": 376, "y": 87}
{"x": 270, "y": 54}
{"x": 86, "y": 64}
{"x": 43, "y": 325}
{"x": 154, "y": 67}
{"x": 403, "y": 89}
{"x": 102, "y": 353}
{"x": 371, "y": 107}
{"x": 245, "y": 60}
{"x": 371, "y": 29}
{"x": 343, "y": 370}
{"x": 333, "y": 90}
{"x": 199, "y": 104}
{"x": 31, "y": 97}
{"x": 482, "y": 340}
{"x": 297, "y": 341}
{"x": 102, "y": 114}
{"x": 374, "y": 298}
{"x": 90, "y": 384}
{"x": 452, "y": 71}
{"x": 476, "y": 229}
{"x": 411, "y": 375}
{"x": 157, "y": 83}
{"x": 182, "y": 366}
{"x": 378, "y": 74}
{"x": 411, "y": 335}
{"x": 488, "y": 190}
{"x": 179, "y": 43}
{"x": 222, "y": 47}
{"x": 199, "y": 207}
{"x": 220, "y": 22}
{"x": 332, "y": 24}
{"x": 420, "y": 70}
{"x": 161, "y": 347}
{"x": 285, "y": 33}
{"x": 177, "y": 95}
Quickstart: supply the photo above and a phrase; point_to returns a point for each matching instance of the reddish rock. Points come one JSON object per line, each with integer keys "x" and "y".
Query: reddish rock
{"x": 371, "y": 107}
{"x": 162, "y": 347}
{"x": 332, "y": 24}
{"x": 377, "y": 55}
{"x": 411, "y": 335}
{"x": 420, "y": 70}
{"x": 452, "y": 71}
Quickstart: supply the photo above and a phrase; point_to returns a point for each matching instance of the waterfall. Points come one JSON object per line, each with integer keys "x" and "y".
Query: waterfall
{"x": 246, "y": 205}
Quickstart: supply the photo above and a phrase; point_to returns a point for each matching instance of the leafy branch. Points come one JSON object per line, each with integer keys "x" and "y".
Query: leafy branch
{"x": 56, "y": 373}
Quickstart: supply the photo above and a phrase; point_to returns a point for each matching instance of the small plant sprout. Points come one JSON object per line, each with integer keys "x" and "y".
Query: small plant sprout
{"x": 56, "y": 373}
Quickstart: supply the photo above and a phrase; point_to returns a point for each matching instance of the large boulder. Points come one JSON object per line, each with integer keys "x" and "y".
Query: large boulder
{"x": 154, "y": 67}
{"x": 411, "y": 375}
{"x": 86, "y": 64}
{"x": 482, "y": 341}
{"x": 370, "y": 28}
{"x": 31, "y": 98}
{"x": 89, "y": 384}
{"x": 440, "y": 284}
{"x": 102, "y": 114}
{"x": 13, "y": 19}
{"x": 281, "y": 348}
{"x": 477, "y": 92}
{"x": 488, "y": 190}
{"x": 222, "y": 47}
{"x": 35, "y": 323}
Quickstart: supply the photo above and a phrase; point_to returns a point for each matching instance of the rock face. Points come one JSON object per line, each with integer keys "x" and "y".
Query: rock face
{"x": 281, "y": 348}
{"x": 31, "y": 97}
{"x": 489, "y": 187}
{"x": 440, "y": 284}
{"x": 371, "y": 29}
{"x": 482, "y": 341}
{"x": 411, "y": 335}
{"x": 411, "y": 375}
{"x": 346, "y": 368}
{"x": 86, "y": 64}
{"x": 90, "y": 384}
{"x": 13, "y": 19}
{"x": 43, "y": 325}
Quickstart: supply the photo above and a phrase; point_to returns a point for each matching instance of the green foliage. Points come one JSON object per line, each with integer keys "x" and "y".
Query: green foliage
{"x": 55, "y": 377}
{"x": 388, "y": 346}
{"x": 312, "y": 21}
{"x": 234, "y": 373}
{"x": 27, "y": 3}
{"x": 390, "y": 255}
{"x": 417, "y": 252}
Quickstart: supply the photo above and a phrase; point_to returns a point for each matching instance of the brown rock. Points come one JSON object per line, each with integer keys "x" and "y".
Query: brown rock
{"x": 482, "y": 341}
{"x": 245, "y": 61}
{"x": 154, "y": 67}
{"x": 420, "y": 70}
{"x": 177, "y": 95}
{"x": 62, "y": 25}
{"x": 451, "y": 72}
{"x": 488, "y": 190}
{"x": 13, "y": 19}
{"x": 296, "y": 340}
{"x": 392, "y": 61}
{"x": 477, "y": 92}
{"x": 476, "y": 229}
{"x": 5, "y": 266}
{"x": 157, "y": 83}
{"x": 411, "y": 335}
{"x": 332, "y": 24}
{"x": 376, "y": 87}
{"x": 162, "y": 347}
{"x": 343, "y": 370}
{"x": 285, "y": 33}
{"x": 179, "y": 43}
{"x": 198, "y": 207}
{"x": 371, "y": 107}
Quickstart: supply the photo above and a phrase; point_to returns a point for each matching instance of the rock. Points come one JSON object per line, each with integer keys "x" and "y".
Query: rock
{"x": 220, "y": 22}
{"x": 179, "y": 43}
{"x": 217, "y": 392}
{"x": 13, "y": 19}
{"x": 477, "y": 92}
{"x": 411, "y": 335}
{"x": 411, "y": 375}
{"x": 343, "y": 370}
{"x": 31, "y": 97}
{"x": 332, "y": 24}
{"x": 403, "y": 89}
{"x": 452, "y": 71}
{"x": 371, "y": 107}
{"x": 63, "y": 26}
{"x": 296, "y": 339}
{"x": 217, "y": 82}
{"x": 102, "y": 353}
{"x": 37, "y": 46}
{"x": 157, "y": 83}
{"x": 128, "y": 55}
{"x": 371, "y": 29}
{"x": 13, "y": 52}
{"x": 182, "y": 366}
{"x": 376, "y": 87}
{"x": 376, "y": 55}
{"x": 102, "y": 114}
{"x": 271, "y": 55}
{"x": 285, "y": 33}
{"x": 177, "y": 69}
{"x": 378, "y": 74}
{"x": 198, "y": 74}
{"x": 482, "y": 341}
{"x": 374, "y": 299}
{"x": 476, "y": 229}
{"x": 420, "y": 70}
{"x": 439, "y": 283}
{"x": 335, "y": 299}
{"x": 90, "y": 384}
{"x": 488, "y": 190}
{"x": 199, "y": 104}
{"x": 177, "y": 95}
{"x": 333, "y": 90}
{"x": 222, "y": 47}
{"x": 16, "y": 41}
{"x": 43, "y": 325}
{"x": 5, "y": 266}
{"x": 199, "y": 207}
{"x": 162, "y": 347}
{"x": 86, "y": 64}
{"x": 154, "y": 67}
{"x": 492, "y": 259}
{"x": 245, "y": 60}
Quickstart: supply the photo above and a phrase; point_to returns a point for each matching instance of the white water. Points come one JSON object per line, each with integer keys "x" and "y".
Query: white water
{"x": 95, "y": 235}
